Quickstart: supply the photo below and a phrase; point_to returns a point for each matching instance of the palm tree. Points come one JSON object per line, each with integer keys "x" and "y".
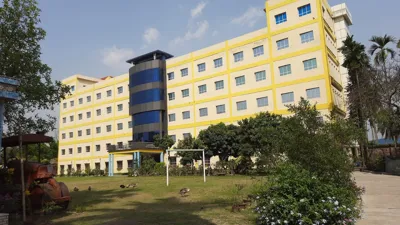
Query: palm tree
{"x": 379, "y": 46}
{"x": 356, "y": 61}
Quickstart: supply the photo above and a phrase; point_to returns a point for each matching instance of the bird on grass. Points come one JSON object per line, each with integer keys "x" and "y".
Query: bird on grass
{"x": 133, "y": 185}
{"x": 89, "y": 188}
{"x": 184, "y": 191}
{"x": 122, "y": 186}
{"x": 76, "y": 189}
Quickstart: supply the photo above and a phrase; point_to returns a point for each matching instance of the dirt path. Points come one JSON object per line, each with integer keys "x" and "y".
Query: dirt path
{"x": 381, "y": 200}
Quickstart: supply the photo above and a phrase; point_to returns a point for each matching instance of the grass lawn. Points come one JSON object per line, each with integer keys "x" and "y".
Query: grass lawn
{"x": 152, "y": 202}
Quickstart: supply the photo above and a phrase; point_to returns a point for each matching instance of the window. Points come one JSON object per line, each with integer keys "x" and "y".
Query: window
{"x": 64, "y": 105}
{"x": 310, "y": 64}
{"x": 172, "y": 161}
{"x": 130, "y": 163}
{"x": 173, "y": 137}
{"x": 202, "y": 89}
{"x": 98, "y": 130}
{"x": 119, "y": 165}
{"x": 88, "y": 98}
{"x": 219, "y": 85}
{"x": 79, "y": 149}
{"x": 62, "y": 151}
{"x": 280, "y": 18}
{"x": 108, "y": 147}
{"x": 80, "y": 101}
{"x": 64, "y": 119}
{"x": 240, "y": 80}
{"x": 263, "y": 101}
{"x": 71, "y": 103}
{"x": 185, "y": 93}
{"x": 87, "y": 131}
{"x": 242, "y": 105}
{"x": 171, "y": 76}
{"x": 73, "y": 88}
{"x": 120, "y": 126}
{"x": 87, "y": 148}
{"x": 186, "y": 115}
{"x": 120, "y": 107}
{"x": 307, "y": 37}
{"x": 260, "y": 75}
{"x": 129, "y": 124}
{"x": 97, "y": 166}
{"x": 70, "y": 151}
{"x": 171, "y": 117}
{"x": 282, "y": 44}
{"x": 120, "y": 90}
{"x": 98, "y": 112}
{"x": 287, "y": 97}
{"x": 71, "y": 134}
{"x": 186, "y": 135}
{"x": 238, "y": 56}
{"x": 109, "y": 110}
{"x": 257, "y": 51}
{"x": 98, "y": 95}
{"x": 313, "y": 93}
{"x": 80, "y": 116}
{"x": 201, "y": 67}
{"x": 63, "y": 136}
{"x": 109, "y": 93}
{"x": 88, "y": 115}
{"x": 79, "y": 133}
{"x": 171, "y": 96}
{"x": 184, "y": 72}
{"x": 285, "y": 70}
{"x": 71, "y": 118}
{"x": 108, "y": 128}
{"x": 97, "y": 148}
{"x": 203, "y": 112}
{"x": 217, "y": 62}
{"x": 304, "y": 10}
{"x": 220, "y": 109}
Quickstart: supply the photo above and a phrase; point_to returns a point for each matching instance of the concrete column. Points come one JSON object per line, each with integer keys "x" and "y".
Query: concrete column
{"x": 162, "y": 157}
{"x": 138, "y": 159}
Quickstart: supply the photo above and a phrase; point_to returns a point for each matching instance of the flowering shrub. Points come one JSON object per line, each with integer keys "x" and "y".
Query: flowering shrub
{"x": 295, "y": 196}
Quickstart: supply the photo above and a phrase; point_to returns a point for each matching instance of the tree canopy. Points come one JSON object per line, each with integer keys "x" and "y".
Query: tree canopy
{"x": 20, "y": 53}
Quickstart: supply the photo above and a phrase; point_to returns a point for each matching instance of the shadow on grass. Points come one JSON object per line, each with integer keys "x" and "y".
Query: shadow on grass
{"x": 172, "y": 210}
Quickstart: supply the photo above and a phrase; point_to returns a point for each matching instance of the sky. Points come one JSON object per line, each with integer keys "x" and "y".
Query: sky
{"x": 96, "y": 37}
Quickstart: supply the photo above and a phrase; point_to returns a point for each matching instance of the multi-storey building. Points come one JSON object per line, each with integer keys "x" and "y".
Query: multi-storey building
{"x": 296, "y": 55}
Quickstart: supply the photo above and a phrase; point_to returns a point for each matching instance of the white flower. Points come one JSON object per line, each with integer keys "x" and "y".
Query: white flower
{"x": 272, "y": 202}
{"x": 313, "y": 177}
{"x": 258, "y": 197}
{"x": 299, "y": 214}
{"x": 324, "y": 220}
{"x": 302, "y": 200}
{"x": 285, "y": 222}
{"x": 329, "y": 197}
{"x": 279, "y": 221}
{"x": 336, "y": 203}
{"x": 291, "y": 212}
{"x": 272, "y": 223}
{"x": 323, "y": 200}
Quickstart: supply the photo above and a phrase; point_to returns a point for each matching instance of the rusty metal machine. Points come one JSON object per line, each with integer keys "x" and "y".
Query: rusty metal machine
{"x": 40, "y": 182}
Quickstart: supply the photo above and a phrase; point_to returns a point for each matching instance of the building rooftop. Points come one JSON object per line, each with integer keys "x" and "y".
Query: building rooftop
{"x": 157, "y": 54}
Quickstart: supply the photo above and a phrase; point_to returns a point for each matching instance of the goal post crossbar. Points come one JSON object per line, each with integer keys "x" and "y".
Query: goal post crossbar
{"x": 186, "y": 150}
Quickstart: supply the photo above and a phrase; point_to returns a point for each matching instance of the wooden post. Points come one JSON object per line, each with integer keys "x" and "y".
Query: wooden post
{"x": 22, "y": 177}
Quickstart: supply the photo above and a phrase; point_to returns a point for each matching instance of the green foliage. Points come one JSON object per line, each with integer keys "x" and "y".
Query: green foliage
{"x": 293, "y": 195}
{"x": 191, "y": 143}
{"x": 20, "y": 58}
{"x": 159, "y": 169}
{"x": 315, "y": 145}
{"x": 147, "y": 165}
{"x": 221, "y": 140}
{"x": 164, "y": 142}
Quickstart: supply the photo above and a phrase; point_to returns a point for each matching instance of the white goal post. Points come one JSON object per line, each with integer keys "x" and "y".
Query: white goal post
{"x": 186, "y": 150}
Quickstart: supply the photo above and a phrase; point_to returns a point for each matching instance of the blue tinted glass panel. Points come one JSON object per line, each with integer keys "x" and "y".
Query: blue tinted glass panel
{"x": 201, "y": 67}
{"x": 146, "y": 118}
{"x": 285, "y": 70}
{"x": 282, "y": 44}
{"x": 281, "y": 18}
{"x": 310, "y": 64}
{"x": 307, "y": 37}
{"x": 145, "y": 76}
{"x": 145, "y": 137}
{"x": 217, "y": 62}
{"x": 257, "y": 51}
{"x": 261, "y": 75}
{"x": 240, "y": 80}
{"x": 304, "y": 10}
{"x": 263, "y": 101}
{"x": 184, "y": 72}
{"x": 151, "y": 95}
{"x": 287, "y": 97}
{"x": 238, "y": 56}
{"x": 313, "y": 93}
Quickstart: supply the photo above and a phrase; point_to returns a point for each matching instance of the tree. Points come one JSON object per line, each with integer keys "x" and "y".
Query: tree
{"x": 398, "y": 44}
{"x": 381, "y": 50}
{"x": 20, "y": 59}
{"x": 191, "y": 143}
{"x": 165, "y": 142}
{"x": 221, "y": 140}
{"x": 360, "y": 91}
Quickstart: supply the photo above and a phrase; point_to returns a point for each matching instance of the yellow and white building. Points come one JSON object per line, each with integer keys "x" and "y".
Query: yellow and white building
{"x": 296, "y": 55}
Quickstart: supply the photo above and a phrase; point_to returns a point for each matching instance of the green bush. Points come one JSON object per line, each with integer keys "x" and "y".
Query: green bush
{"x": 147, "y": 165}
{"x": 159, "y": 169}
{"x": 376, "y": 163}
{"x": 293, "y": 195}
